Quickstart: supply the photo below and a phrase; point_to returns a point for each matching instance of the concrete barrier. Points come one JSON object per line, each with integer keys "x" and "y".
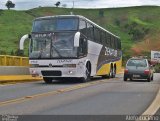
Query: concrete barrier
{"x": 14, "y": 70}
{"x": 15, "y": 74}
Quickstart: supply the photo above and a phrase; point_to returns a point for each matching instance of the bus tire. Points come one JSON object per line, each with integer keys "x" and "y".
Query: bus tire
{"x": 47, "y": 80}
{"x": 110, "y": 73}
{"x": 113, "y": 72}
{"x": 87, "y": 73}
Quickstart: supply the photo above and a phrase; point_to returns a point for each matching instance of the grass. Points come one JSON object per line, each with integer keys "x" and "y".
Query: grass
{"x": 14, "y": 24}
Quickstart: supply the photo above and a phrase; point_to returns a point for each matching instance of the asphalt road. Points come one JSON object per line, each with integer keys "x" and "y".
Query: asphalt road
{"x": 109, "y": 97}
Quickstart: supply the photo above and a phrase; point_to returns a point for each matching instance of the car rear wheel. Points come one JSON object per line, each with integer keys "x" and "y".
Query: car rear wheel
{"x": 152, "y": 78}
{"x": 125, "y": 78}
{"x": 149, "y": 79}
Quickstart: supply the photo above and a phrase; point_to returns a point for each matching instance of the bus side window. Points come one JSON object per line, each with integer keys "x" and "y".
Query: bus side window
{"x": 82, "y": 46}
{"x": 109, "y": 40}
{"x": 119, "y": 44}
{"x": 100, "y": 36}
{"x": 103, "y": 38}
{"x": 106, "y": 39}
{"x": 90, "y": 32}
{"x": 97, "y": 34}
{"x": 112, "y": 41}
{"x": 116, "y": 43}
{"x": 82, "y": 27}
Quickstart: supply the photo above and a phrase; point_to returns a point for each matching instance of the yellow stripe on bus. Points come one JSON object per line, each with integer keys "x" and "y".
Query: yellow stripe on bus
{"x": 105, "y": 69}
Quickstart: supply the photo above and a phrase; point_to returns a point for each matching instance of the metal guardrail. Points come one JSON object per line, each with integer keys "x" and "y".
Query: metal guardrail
{"x": 7, "y": 60}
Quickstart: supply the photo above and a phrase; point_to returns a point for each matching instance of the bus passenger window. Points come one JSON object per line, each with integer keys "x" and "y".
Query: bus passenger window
{"x": 108, "y": 40}
{"x": 103, "y": 38}
{"x": 119, "y": 44}
{"x": 90, "y": 32}
{"x": 116, "y": 43}
{"x": 82, "y": 27}
{"x": 97, "y": 35}
{"x": 82, "y": 47}
{"x": 112, "y": 41}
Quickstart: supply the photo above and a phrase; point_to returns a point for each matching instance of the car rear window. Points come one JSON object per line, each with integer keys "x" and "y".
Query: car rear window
{"x": 137, "y": 62}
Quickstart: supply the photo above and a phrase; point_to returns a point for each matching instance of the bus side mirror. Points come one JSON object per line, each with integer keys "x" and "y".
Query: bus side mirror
{"x": 76, "y": 39}
{"x": 21, "y": 44}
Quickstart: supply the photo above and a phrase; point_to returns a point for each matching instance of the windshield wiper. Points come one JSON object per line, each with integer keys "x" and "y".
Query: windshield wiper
{"x": 40, "y": 55}
{"x": 57, "y": 51}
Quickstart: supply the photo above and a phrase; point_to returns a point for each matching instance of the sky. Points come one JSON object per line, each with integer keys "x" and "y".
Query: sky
{"x": 28, "y": 4}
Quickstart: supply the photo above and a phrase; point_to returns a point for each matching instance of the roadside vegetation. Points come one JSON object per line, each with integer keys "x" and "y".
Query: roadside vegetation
{"x": 138, "y": 27}
{"x": 157, "y": 68}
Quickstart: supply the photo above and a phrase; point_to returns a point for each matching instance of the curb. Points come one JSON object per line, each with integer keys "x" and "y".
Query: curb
{"x": 18, "y": 78}
{"x": 153, "y": 108}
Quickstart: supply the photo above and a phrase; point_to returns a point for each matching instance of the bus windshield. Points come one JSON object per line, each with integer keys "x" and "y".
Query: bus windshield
{"x": 59, "y": 24}
{"x": 57, "y": 45}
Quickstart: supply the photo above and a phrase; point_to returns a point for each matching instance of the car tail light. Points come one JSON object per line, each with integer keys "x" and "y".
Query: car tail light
{"x": 126, "y": 71}
{"x": 147, "y": 72}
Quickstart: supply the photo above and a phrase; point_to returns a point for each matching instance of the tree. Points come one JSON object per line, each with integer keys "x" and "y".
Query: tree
{"x": 19, "y": 52}
{"x": 10, "y": 4}
{"x": 57, "y": 4}
{"x": 12, "y": 52}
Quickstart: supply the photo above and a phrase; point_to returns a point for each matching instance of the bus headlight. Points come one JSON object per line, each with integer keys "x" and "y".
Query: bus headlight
{"x": 70, "y": 65}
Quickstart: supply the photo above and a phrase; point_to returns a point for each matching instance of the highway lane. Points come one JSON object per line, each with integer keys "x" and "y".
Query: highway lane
{"x": 13, "y": 91}
{"x": 112, "y": 97}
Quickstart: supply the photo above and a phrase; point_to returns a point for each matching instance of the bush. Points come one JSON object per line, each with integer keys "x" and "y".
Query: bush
{"x": 117, "y": 22}
{"x": 136, "y": 31}
{"x": 157, "y": 68}
{"x": 2, "y": 52}
{"x": 19, "y": 52}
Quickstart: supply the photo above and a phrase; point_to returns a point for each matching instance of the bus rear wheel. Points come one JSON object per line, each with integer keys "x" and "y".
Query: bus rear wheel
{"x": 47, "y": 80}
{"x": 108, "y": 75}
{"x": 113, "y": 73}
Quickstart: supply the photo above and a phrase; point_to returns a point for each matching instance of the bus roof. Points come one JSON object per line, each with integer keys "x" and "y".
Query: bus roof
{"x": 77, "y": 16}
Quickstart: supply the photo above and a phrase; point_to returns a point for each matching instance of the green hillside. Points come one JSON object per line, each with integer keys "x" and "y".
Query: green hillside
{"x": 138, "y": 27}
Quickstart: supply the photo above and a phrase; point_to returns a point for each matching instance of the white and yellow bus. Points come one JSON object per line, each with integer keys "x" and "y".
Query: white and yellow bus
{"x": 72, "y": 46}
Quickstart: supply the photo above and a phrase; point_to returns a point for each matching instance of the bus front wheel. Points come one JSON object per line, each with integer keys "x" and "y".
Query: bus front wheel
{"x": 47, "y": 80}
{"x": 87, "y": 76}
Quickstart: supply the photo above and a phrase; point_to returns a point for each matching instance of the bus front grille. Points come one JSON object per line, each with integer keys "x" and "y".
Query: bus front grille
{"x": 51, "y": 73}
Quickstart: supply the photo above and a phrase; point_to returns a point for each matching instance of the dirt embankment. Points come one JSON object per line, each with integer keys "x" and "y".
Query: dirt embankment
{"x": 147, "y": 45}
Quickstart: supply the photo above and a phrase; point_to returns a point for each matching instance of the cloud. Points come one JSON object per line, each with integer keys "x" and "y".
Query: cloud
{"x": 27, "y": 4}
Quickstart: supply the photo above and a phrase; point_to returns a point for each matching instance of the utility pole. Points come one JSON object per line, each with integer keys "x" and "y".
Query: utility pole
{"x": 73, "y": 5}
{"x": 72, "y": 9}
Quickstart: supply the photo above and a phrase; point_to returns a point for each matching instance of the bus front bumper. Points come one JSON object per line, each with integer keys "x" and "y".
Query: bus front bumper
{"x": 57, "y": 72}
